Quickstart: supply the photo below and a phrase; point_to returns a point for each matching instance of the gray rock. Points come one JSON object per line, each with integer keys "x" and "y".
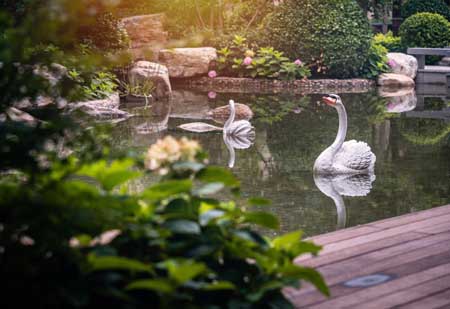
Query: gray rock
{"x": 404, "y": 64}
{"x": 154, "y": 72}
{"x": 187, "y": 62}
{"x": 104, "y": 108}
{"x": 392, "y": 80}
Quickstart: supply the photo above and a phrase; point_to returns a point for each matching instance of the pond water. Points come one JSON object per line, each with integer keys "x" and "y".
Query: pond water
{"x": 412, "y": 149}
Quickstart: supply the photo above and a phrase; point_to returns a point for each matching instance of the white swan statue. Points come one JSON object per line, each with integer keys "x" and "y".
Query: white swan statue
{"x": 231, "y": 127}
{"x": 351, "y": 157}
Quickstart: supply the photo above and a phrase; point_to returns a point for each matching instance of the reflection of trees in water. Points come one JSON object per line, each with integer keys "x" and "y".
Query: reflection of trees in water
{"x": 424, "y": 131}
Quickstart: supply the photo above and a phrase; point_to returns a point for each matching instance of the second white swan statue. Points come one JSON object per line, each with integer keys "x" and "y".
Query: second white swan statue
{"x": 351, "y": 157}
{"x": 231, "y": 127}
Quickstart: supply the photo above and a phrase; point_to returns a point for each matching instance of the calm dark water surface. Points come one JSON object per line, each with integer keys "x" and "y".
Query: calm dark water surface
{"x": 413, "y": 153}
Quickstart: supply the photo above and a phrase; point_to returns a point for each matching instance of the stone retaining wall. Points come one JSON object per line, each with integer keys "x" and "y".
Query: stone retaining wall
{"x": 249, "y": 85}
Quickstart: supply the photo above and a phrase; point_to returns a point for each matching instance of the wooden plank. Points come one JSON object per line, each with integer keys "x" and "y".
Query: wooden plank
{"x": 401, "y": 271}
{"x": 371, "y": 246}
{"x": 355, "y": 241}
{"x": 439, "y": 300}
{"x": 343, "y": 234}
{"x": 436, "y": 229}
{"x": 386, "y": 223}
{"x": 371, "y": 294}
{"x": 408, "y": 295}
{"x": 383, "y": 259}
{"x": 413, "y": 217}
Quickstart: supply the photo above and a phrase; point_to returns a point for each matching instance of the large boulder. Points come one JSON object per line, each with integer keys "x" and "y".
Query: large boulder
{"x": 147, "y": 35}
{"x": 403, "y": 64}
{"x": 187, "y": 62}
{"x": 107, "y": 108}
{"x": 392, "y": 80}
{"x": 156, "y": 73}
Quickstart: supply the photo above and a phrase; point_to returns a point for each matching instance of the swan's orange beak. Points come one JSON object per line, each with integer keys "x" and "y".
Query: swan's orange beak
{"x": 329, "y": 101}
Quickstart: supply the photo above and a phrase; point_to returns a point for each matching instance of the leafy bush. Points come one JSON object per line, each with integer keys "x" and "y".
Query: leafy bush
{"x": 167, "y": 246}
{"x": 238, "y": 59}
{"x": 377, "y": 61}
{"x": 330, "y": 33}
{"x": 92, "y": 86}
{"x": 412, "y": 7}
{"x": 106, "y": 33}
{"x": 425, "y": 30}
{"x": 392, "y": 43}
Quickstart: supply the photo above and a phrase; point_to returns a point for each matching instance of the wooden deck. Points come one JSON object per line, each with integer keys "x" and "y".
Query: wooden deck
{"x": 410, "y": 252}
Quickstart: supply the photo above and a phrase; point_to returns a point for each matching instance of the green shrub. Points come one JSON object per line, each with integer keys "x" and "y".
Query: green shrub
{"x": 412, "y": 7}
{"x": 239, "y": 59}
{"x": 170, "y": 245}
{"x": 377, "y": 61}
{"x": 425, "y": 30}
{"x": 106, "y": 33}
{"x": 392, "y": 43}
{"x": 333, "y": 34}
{"x": 92, "y": 86}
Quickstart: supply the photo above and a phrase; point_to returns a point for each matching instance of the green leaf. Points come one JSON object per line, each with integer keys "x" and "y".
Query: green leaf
{"x": 167, "y": 189}
{"x": 112, "y": 175}
{"x": 217, "y": 174}
{"x": 99, "y": 263}
{"x": 183, "y": 271}
{"x": 183, "y": 227}
{"x": 307, "y": 274}
{"x": 262, "y": 218}
{"x": 219, "y": 285}
{"x": 258, "y": 201}
{"x": 210, "y": 188}
{"x": 206, "y": 217}
{"x": 157, "y": 285}
{"x": 287, "y": 241}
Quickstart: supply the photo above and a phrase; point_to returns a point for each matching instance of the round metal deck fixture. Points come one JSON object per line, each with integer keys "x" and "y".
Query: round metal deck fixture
{"x": 367, "y": 281}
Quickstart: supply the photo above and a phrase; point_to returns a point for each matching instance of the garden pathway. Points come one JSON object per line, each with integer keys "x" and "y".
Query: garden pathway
{"x": 401, "y": 262}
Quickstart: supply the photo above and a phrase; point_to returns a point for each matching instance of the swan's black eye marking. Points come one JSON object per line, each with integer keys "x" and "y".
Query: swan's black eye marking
{"x": 333, "y": 96}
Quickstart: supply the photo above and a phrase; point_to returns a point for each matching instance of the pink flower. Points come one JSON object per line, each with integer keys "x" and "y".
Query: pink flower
{"x": 392, "y": 63}
{"x": 212, "y": 95}
{"x": 248, "y": 60}
{"x": 212, "y": 74}
{"x": 298, "y": 62}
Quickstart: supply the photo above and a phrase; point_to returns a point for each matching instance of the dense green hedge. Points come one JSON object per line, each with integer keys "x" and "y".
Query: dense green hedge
{"x": 333, "y": 34}
{"x": 412, "y": 7}
{"x": 425, "y": 30}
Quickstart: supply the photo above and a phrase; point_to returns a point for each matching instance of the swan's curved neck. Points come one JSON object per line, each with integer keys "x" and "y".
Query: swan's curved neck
{"x": 232, "y": 115}
{"x": 342, "y": 132}
{"x": 231, "y": 152}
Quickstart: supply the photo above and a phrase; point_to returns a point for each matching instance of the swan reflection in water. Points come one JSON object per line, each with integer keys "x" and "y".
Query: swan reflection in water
{"x": 337, "y": 186}
{"x": 344, "y": 168}
{"x": 236, "y": 142}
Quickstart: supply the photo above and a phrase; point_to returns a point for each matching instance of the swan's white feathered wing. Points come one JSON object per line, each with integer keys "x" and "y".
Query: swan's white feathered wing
{"x": 240, "y": 128}
{"x": 355, "y": 155}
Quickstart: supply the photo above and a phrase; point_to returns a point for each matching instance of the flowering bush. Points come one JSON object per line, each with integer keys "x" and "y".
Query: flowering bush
{"x": 239, "y": 59}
